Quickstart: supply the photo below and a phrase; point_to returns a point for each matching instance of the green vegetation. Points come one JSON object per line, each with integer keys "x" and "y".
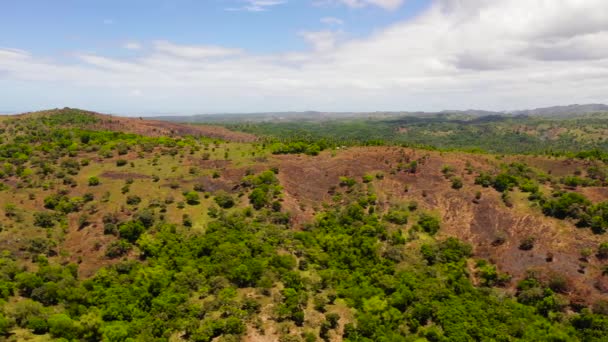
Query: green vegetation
{"x": 199, "y": 241}
{"x": 495, "y": 134}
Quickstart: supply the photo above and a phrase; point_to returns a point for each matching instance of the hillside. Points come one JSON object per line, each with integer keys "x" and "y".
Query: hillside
{"x": 117, "y": 228}
{"x": 69, "y": 118}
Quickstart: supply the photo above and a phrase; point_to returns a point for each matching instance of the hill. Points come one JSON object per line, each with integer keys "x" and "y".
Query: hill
{"x": 315, "y": 116}
{"x": 117, "y": 228}
{"x": 69, "y": 117}
{"x": 564, "y": 111}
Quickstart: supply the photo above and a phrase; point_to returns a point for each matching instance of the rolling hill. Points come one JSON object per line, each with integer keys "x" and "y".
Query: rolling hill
{"x": 117, "y": 228}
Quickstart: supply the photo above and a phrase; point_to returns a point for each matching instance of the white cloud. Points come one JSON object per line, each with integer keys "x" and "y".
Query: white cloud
{"x": 332, "y": 21}
{"x": 385, "y": 4}
{"x": 492, "y": 54}
{"x": 194, "y": 51}
{"x": 257, "y": 5}
{"x": 321, "y": 40}
{"x": 132, "y": 46}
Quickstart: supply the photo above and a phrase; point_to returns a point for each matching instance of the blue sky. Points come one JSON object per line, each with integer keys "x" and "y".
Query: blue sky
{"x": 184, "y": 57}
{"x": 60, "y": 27}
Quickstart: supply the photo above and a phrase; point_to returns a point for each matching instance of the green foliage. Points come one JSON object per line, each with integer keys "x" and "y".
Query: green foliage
{"x": 265, "y": 188}
{"x": 429, "y": 223}
{"x": 94, "y": 181}
{"x": 569, "y": 204}
{"x": 117, "y": 249}
{"x": 296, "y": 147}
{"x": 224, "y": 200}
{"x": 456, "y": 183}
{"x": 131, "y": 230}
{"x": 44, "y": 219}
{"x": 133, "y": 200}
{"x": 192, "y": 198}
{"x": 397, "y": 216}
{"x": 61, "y": 325}
{"x": 347, "y": 181}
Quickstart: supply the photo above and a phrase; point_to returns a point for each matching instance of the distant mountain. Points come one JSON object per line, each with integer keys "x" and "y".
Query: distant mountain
{"x": 558, "y": 111}
{"x": 219, "y": 118}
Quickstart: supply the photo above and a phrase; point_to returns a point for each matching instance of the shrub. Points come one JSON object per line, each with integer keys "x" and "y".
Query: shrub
{"x": 527, "y": 243}
{"x": 44, "y": 219}
{"x": 333, "y": 319}
{"x": 224, "y": 200}
{"x": 94, "y": 181}
{"x": 602, "y": 250}
{"x": 133, "y": 200}
{"x": 192, "y": 198}
{"x": 117, "y": 249}
{"x": 429, "y": 224}
{"x": 456, "y": 183}
{"x": 131, "y": 230}
{"x": 397, "y": 216}
{"x": 121, "y": 162}
{"x": 347, "y": 181}
{"x": 62, "y": 326}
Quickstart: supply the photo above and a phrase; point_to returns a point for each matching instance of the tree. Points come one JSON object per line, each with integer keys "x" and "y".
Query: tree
{"x": 192, "y": 198}
{"x": 62, "y": 326}
{"x": 44, "y": 219}
{"x": 258, "y": 198}
{"x": 224, "y": 200}
{"x": 429, "y": 224}
{"x": 131, "y": 230}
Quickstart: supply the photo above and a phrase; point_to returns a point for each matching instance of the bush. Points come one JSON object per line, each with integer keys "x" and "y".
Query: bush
{"x": 117, "y": 249}
{"x": 4, "y": 325}
{"x": 62, "y": 326}
{"x": 347, "y": 181}
{"x": 94, "y": 181}
{"x": 44, "y": 219}
{"x": 133, "y": 200}
{"x": 38, "y": 325}
{"x": 224, "y": 200}
{"x": 527, "y": 243}
{"x": 429, "y": 224}
{"x": 333, "y": 319}
{"x": 121, "y": 162}
{"x": 192, "y": 198}
{"x": 602, "y": 250}
{"x": 456, "y": 183}
{"x": 131, "y": 230}
{"x": 397, "y": 216}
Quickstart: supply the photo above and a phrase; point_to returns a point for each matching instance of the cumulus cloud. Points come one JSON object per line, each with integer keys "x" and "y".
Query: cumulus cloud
{"x": 492, "y": 54}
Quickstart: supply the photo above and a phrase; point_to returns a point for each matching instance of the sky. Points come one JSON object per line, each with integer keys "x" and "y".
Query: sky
{"x": 162, "y": 57}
